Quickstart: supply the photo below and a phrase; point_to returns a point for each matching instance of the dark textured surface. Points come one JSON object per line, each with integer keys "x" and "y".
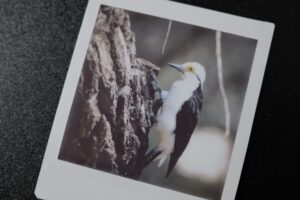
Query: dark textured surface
{"x": 36, "y": 43}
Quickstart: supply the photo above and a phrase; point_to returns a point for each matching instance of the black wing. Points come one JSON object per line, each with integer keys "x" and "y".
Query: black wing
{"x": 186, "y": 119}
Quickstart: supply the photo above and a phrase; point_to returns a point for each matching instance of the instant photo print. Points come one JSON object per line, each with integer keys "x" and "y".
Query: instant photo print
{"x": 156, "y": 105}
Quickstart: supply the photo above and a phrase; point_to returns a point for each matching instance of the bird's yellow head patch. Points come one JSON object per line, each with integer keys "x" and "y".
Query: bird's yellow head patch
{"x": 189, "y": 68}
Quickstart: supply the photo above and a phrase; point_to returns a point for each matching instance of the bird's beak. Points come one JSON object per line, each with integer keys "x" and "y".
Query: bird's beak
{"x": 177, "y": 67}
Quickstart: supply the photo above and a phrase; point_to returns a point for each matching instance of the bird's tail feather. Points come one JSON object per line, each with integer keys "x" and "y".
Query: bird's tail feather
{"x": 152, "y": 155}
{"x": 162, "y": 158}
{"x": 172, "y": 163}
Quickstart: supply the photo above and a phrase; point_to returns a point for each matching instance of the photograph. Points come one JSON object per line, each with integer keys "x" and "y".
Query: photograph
{"x": 159, "y": 102}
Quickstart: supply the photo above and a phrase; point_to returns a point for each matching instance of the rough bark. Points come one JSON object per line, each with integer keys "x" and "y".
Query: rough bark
{"x": 115, "y": 103}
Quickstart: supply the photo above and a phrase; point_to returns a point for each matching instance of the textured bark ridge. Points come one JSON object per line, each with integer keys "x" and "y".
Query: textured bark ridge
{"x": 115, "y": 103}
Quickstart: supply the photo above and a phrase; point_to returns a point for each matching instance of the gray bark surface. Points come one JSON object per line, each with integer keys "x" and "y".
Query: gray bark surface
{"x": 115, "y": 103}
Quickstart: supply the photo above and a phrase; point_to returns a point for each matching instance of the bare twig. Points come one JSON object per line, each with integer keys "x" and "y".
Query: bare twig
{"x": 221, "y": 83}
{"x": 166, "y": 38}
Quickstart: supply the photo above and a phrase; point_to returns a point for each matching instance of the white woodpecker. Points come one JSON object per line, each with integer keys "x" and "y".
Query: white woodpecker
{"x": 178, "y": 116}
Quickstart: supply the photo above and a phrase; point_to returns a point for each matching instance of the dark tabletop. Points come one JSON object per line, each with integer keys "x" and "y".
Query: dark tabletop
{"x": 37, "y": 39}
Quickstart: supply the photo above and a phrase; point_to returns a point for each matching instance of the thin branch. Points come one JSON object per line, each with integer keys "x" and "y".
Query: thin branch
{"x": 221, "y": 82}
{"x": 166, "y": 38}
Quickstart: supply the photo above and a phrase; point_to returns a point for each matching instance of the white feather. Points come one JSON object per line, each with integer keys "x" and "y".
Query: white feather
{"x": 162, "y": 158}
{"x": 164, "y": 94}
{"x": 180, "y": 92}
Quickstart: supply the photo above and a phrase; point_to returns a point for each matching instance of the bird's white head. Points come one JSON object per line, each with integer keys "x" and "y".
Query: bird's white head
{"x": 191, "y": 71}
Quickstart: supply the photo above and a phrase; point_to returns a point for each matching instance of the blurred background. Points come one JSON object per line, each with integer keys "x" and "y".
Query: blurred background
{"x": 201, "y": 170}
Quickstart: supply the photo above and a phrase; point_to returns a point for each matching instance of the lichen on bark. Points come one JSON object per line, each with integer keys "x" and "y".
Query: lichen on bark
{"x": 115, "y": 103}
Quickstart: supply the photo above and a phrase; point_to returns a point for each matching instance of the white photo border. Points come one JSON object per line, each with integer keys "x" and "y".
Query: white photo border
{"x": 63, "y": 180}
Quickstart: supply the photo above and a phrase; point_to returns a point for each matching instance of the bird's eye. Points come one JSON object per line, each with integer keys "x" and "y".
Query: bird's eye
{"x": 190, "y": 69}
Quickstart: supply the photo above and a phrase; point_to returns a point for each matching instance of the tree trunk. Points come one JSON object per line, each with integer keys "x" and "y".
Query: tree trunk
{"x": 115, "y": 103}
